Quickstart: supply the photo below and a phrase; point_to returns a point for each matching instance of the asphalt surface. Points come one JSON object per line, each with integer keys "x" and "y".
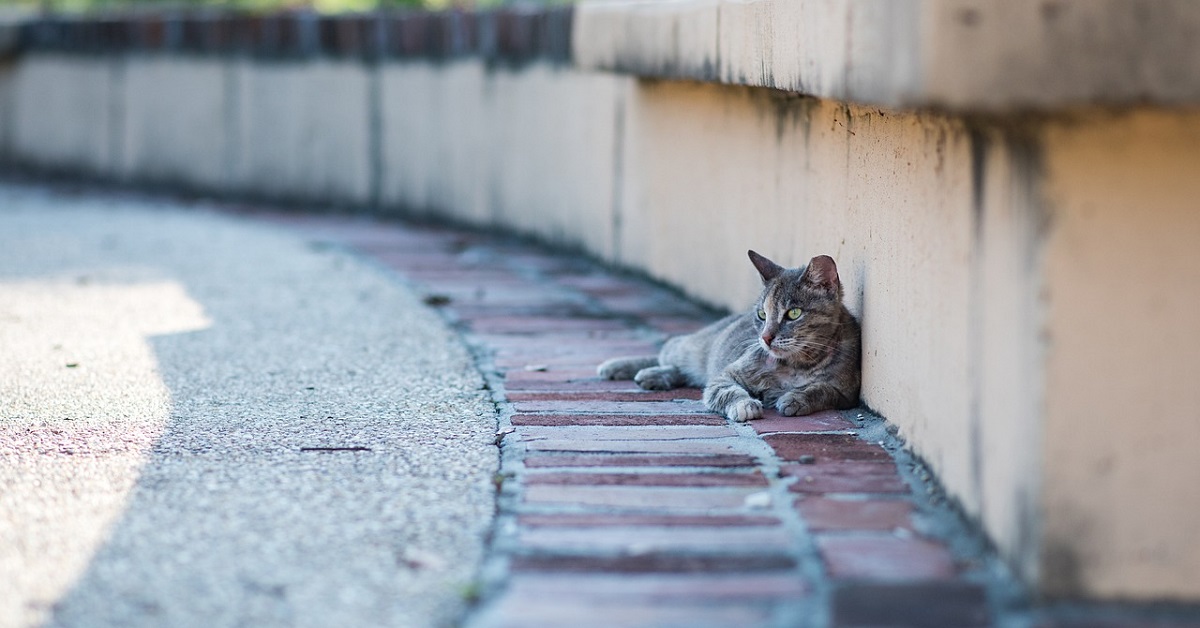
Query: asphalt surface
{"x": 206, "y": 421}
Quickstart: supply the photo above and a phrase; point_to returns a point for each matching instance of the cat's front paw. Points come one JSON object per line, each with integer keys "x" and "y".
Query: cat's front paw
{"x": 792, "y": 404}
{"x": 656, "y": 378}
{"x": 618, "y": 368}
{"x": 744, "y": 410}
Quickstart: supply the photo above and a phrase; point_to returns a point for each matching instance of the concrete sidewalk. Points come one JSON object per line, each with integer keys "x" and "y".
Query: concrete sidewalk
{"x": 205, "y": 421}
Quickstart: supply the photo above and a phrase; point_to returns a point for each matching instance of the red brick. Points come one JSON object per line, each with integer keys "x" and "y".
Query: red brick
{"x": 675, "y": 325}
{"x": 598, "y": 396}
{"x": 526, "y": 611}
{"x": 911, "y": 605}
{"x": 526, "y": 361}
{"x": 631, "y": 446}
{"x": 885, "y": 557}
{"x": 822, "y": 514}
{"x": 647, "y": 479}
{"x": 542, "y": 325}
{"x": 653, "y": 563}
{"x": 591, "y": 384}
{"x": 565, "y": 335}
{"x": 633, "y": 519}
{"x": 535, "y": 355}
{"x": 680, "y": 433}
{"x": 728, "y": 460}
{"x": 827, "y": 421}
{"x": 598, "y": 350}
{"x": 631, "y": 343}
{"x": 686, "y": 406}
{"x": 639, "y": 497}
{"x": 846, "y": 477}
{"x": 648, "y": 305}
{"x": 598, "y": 284}
{"x": 616, "y": 419}
{"x": 825, "y": 447}
{"x": 457, "y": 276}
{"x": 485, "y": 295}
{"x": 552, "y": 374}
{"x": 406, "y": 260}
{"x": 468, "y": 314}
{"x": 661, "y": 587}
{"x": 374, "y": 237}
{"x": 641, "y": 539}
{"x": 521, "y": 257}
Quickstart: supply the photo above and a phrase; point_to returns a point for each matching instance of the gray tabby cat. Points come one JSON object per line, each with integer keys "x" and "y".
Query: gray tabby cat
{"x": 798, "y": 349}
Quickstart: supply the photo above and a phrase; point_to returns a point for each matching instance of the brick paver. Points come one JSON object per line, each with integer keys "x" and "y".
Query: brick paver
{"x": 621, "y": 507}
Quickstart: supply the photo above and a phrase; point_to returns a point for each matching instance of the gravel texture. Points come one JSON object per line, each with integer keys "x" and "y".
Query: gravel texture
{"x": 168, "y": 377}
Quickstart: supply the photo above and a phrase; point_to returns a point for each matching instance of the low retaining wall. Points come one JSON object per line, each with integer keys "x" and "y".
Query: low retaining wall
{"x": 1027, "y": 284}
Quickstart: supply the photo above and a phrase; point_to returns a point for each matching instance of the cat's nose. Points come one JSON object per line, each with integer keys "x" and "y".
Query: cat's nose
{"x": 767, "y": 338}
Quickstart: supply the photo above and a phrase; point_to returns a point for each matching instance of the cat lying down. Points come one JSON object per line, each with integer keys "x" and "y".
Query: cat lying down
{"x": 797, "y": 349}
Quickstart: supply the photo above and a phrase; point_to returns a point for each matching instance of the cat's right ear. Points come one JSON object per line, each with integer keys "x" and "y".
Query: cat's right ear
{"x": 767, "y": 269}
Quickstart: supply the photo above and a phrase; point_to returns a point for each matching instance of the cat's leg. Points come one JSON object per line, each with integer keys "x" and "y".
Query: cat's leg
{"x": 625, "y": 368}
{"x": 660, "y": 378}
{"x": 725, "y": 396}
{"x": 809, "y": 399}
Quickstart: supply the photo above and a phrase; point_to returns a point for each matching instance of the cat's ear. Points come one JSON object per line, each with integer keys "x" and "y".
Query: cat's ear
{"x": 766, "y": 268}
{"x": 822, "y": 273}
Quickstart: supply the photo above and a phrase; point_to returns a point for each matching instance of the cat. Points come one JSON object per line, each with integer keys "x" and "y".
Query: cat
{"x": 798, "y": 349}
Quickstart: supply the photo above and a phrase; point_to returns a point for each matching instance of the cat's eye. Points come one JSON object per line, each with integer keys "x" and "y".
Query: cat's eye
{"x": 794, "y": 313}
{"x": 762, "y": 315}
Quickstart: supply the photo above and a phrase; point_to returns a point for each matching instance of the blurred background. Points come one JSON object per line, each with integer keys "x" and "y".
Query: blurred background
{"x": 251, "y": 6}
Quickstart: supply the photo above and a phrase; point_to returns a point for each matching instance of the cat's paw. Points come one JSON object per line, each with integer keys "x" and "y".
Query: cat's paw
{"x": 656, "y": 378}
{"x": 792, "y": 404}
{"x": 744, "y": 410}
{"x": 618, "y": 368}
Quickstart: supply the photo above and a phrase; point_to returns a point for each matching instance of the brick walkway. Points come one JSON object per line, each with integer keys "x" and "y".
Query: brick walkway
{"x": 621, "y": 507}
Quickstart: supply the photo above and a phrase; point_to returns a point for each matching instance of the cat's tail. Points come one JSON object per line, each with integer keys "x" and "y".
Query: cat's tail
{"x": 625, "y": 368}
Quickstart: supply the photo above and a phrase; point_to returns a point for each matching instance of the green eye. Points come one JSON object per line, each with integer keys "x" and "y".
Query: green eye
{"x": 762, "y": 315}
{"x": 794, "y": 313}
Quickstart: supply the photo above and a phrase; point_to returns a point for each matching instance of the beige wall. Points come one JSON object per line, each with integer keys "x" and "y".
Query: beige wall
{"x": 1122, "y": 422}
{"x": 164, "y": 103}
{"x": 303, "y": 131}
{"x": 66, "y": 113}
{"x": 425, "y": 169}
{"x": 533, "y": 150}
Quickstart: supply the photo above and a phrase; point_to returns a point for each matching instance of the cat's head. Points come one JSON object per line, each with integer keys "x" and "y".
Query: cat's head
{"x": 800, "y": 309}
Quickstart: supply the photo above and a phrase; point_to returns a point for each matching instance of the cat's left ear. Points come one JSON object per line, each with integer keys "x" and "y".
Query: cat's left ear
{"x": 767, "y": 269}
{"x": 822, "y": 273}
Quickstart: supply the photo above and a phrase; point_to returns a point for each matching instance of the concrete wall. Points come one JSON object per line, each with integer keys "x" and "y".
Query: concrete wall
{"x": 164, "y": 102}
{"x": 1027, "y": 286}
{"x": 1122, "y": 425}
{"x": 304, "y": 131}
{"x": 64, "y": 114}
{"x": 963, "y": 54}
{"x": 534, "y": 150}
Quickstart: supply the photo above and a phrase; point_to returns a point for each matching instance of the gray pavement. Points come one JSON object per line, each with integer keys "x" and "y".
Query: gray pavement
{"x": 167, "y": 377}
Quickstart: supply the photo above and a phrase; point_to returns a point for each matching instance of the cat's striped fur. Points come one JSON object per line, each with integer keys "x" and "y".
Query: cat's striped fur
{"x": 799, "y": 365}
